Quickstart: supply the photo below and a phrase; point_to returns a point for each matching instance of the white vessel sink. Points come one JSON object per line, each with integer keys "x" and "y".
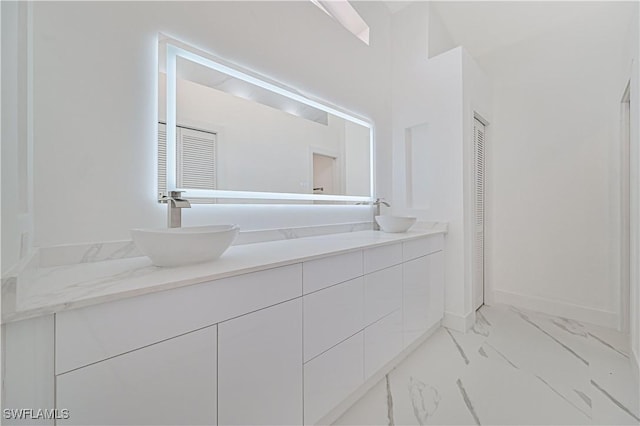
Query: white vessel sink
{"x": 395, "y": 223}
{"x": 184, "y": 246}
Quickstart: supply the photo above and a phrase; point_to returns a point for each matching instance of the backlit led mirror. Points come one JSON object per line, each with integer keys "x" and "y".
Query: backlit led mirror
{"x": 228, "y": 133}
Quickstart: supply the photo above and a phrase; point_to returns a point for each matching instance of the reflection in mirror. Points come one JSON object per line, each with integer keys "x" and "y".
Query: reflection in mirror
{"x": 238, "y": 136}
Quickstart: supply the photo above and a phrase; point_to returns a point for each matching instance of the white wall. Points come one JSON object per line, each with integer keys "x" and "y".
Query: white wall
{"x": 435, "y": 100}
{"x": 17, "y": 218}
{"x": 439, "y": 38}
{"x": 95, "y": 94}
{"x": 9, "y": 179}
{"x": 554, "y": 168}
{"x": 634, "y": 72}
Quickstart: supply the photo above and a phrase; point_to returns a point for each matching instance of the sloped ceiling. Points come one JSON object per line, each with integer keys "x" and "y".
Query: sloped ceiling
{"x": 484, "y": 26}
{"x": 395, "y": 6}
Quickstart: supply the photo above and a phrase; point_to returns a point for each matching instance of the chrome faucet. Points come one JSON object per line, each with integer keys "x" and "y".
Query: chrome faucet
{"x": 175, "y": 205}
{"x": 376, "y": 211}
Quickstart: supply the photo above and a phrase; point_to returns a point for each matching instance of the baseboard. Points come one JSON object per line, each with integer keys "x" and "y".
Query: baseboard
{"x": 557, "y": 308}
{"x": 458, "y": 322}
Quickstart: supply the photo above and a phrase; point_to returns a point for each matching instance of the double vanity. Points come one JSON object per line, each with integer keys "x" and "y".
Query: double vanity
{"x": 279, "y": 332}
{"x": 275, "y": 332}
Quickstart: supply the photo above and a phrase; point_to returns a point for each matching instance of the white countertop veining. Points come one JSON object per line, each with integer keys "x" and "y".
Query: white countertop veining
{"x": 43, "y": 291}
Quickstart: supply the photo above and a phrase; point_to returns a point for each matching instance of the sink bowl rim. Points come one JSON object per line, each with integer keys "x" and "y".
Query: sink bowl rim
{"x": 170, "y": 247}
{"x": 402, "y": 224}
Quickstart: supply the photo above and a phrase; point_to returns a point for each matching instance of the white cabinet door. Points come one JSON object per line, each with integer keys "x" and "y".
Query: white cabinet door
{"x": 415, "y": 298}
{"x": 332, "y": 377}
{"x": 422, "y": 295}
{"x": 260, "y": 367}
{"x": 169, "y": 383}
{"x": 436, "y": 288}
{"x": 382, "y": 293}
{"x": 382, "y": 342}
{"x": 27, "y": 367}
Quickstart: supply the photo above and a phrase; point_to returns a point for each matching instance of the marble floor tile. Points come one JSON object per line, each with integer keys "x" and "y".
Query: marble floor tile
{"x": 607, "y": 353}
{"x": 613, "y": 373}
{"x": 433, "y": 364}
{"x": 523, "y": 342}
{"x": 513, "y": 393}
{"x": 607, "y": 410}
{"x": 469, "y": 343}
{"x": 514, "y": 367}
{"x": 452, "y": 409}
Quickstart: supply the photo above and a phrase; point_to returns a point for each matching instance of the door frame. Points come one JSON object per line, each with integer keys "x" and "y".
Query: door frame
{"x": 625, "y": 209}
{"x": 486, "y": 293}
{"x": 337, "y": 172}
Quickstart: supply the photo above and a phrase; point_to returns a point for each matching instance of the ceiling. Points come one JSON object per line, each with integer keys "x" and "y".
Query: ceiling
{"x": 484, "y": 26}
{"x": 396, "y": 5}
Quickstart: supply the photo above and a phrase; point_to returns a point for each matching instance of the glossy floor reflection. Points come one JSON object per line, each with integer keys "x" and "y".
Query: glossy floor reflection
{"x": 513, "y": 368}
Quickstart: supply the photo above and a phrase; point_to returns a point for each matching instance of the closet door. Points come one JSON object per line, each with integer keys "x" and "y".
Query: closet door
{"x": 479, "y": 184}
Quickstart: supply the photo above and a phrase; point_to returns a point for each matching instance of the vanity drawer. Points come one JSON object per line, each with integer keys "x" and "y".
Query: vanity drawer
{"x": 422, "y": 246}
{"x": 94, "y": 333}
{"x": 382, "y": 257}
{"x": 332, "y": 315}
{"x": 382, "y": 293}
{"x": 321, "y": 273}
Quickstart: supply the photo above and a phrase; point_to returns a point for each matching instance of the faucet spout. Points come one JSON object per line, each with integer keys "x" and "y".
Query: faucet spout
{"x": 180, "y": 203}
{"x": 175, "y": 205}
{"x": 376, "y": 210}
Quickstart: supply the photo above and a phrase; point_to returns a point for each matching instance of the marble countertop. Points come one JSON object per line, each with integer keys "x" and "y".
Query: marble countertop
{"x": 43, "y": 291}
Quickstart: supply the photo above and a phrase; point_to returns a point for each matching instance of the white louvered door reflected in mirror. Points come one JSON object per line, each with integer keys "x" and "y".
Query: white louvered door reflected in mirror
{"x": 196, "y": 159}
{"x": 196, "y": 155}
{"x": 162, "y": 159}
{"x": 479, "y": 183}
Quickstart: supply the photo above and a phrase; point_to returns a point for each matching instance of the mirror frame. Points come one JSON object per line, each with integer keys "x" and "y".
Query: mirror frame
{"x": 173, "y": 51}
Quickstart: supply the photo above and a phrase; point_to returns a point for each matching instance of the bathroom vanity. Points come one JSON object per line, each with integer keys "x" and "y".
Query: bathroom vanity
{"x": 281, "y": 332}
